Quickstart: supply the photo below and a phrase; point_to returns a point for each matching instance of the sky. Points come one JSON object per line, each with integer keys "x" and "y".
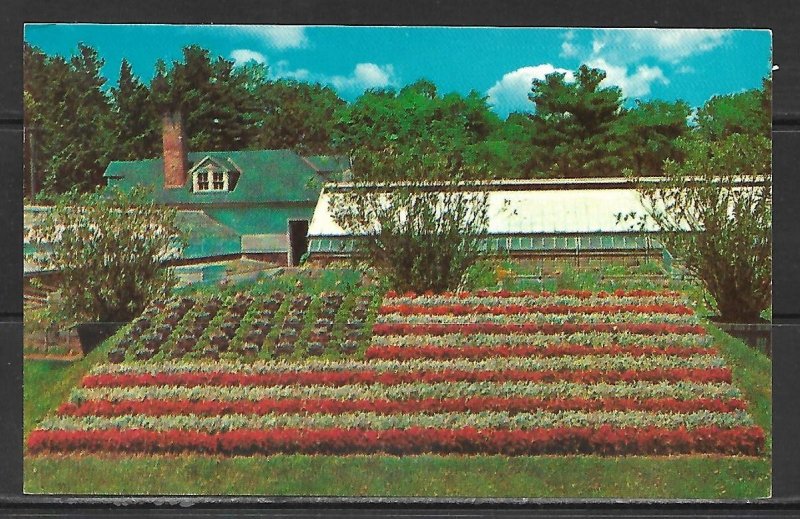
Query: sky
{"x": 500, "y": 63}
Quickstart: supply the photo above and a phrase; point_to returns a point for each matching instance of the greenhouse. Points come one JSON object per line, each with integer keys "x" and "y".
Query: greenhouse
{"x": 531, "y": 218}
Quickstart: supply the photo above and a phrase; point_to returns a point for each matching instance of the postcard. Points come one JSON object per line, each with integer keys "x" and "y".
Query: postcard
{"x": 360, "y": 261}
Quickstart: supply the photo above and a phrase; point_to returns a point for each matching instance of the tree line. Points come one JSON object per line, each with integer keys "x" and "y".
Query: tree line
{"x": 76, "y": 125}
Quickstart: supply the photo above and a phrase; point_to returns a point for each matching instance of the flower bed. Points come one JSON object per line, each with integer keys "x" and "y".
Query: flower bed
{"x": 545, "y": 373}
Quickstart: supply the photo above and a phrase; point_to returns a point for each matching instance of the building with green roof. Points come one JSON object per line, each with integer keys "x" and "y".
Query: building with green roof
{"x": 255, "y": 203}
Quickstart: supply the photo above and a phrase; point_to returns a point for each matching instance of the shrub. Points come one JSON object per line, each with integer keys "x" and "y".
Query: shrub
{"x": 714, "y": 211}
{"x": 108, "y": 247}
{"x": 420, "y": 236}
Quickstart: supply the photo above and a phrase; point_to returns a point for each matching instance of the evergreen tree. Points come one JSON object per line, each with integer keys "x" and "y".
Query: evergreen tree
{"x": 213, "y": 98}
{"x": 136, "y": 122}
{"x": 69, "y": 114}
{"x": 573, "y": 124}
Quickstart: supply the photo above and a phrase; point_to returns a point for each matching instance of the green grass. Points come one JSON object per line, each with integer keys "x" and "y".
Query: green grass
{"x": 432, "y": 476}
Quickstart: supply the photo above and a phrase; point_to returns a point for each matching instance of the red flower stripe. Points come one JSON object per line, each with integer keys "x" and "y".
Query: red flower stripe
{"x": 556, "y": 350}
{"x": 543, "y": 293}
{"x": 152, "y": 407}
{"x": 545, "y": 328}
{"x": 340, "y": 378}
{"x": 561, "y": 440}
{"x": 406, "y": 309}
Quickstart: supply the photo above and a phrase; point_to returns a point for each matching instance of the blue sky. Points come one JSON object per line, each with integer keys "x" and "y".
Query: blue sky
{"x": 668, "y": 64}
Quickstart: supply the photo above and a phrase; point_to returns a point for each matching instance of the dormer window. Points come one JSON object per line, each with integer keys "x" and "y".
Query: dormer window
{"x": 210, "y": 175}
{"x": 220, "y": 179}
{"x": 202, "y": 181}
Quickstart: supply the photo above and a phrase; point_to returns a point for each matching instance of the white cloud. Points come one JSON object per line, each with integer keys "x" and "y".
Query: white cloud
{"x": 666, "y": 45}
{"x": 568, "y": 50}
{"x": 636, "y": 84}
{"x": 568, "y": 47}
{"x": 510, "y": 94}
{"x": 281, "y": 69}
{"x": 365, "y": 75}
{"x": 278, "y": 36}
{"x": 242, "y": 56}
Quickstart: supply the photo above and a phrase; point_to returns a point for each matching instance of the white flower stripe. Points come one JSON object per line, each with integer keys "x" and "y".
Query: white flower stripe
{"x": 682, "y": 390}
{"x": 635, "y": 318}
{"x": 540, "y": 339}
{"x": 570, "y": 362}
{"x": 534, "y": 301}
{"x": 374, "y": 421}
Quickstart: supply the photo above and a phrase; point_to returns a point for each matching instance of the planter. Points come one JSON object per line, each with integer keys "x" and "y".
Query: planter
{"x": 92, "y": 334}
{"x": 756, "y": 335}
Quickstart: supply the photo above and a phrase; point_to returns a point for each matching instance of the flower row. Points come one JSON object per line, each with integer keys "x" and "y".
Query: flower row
{"x": 681, "y": 390}
{"x": 146, "y": 374}
{"x": 332, "y": 406}
{"x": 541, "y": 293}
{"x": 505, "y": 351}
{"x": 542, "y": 339}
{"x": 527, "y": 328}
{"x": 540, "y": 319}
{"x": 340, "y": 378}
{"x": 522, "y": 309}
{"x": 575, "y": 440}
{"x": 377, "y": 421}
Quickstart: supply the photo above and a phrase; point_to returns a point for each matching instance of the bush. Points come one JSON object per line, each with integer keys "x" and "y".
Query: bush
{"x": 108, "y": 248}
{"x": 714, "y": 211}
{"x": 419, "y": 236}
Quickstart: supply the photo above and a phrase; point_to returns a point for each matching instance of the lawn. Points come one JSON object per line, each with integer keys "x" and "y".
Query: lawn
{"x": 700, "y": 477}
{"x": 47, "y": 384}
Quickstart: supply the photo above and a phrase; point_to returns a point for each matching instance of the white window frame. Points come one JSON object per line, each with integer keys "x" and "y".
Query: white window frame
{"x": 210, "y": 173}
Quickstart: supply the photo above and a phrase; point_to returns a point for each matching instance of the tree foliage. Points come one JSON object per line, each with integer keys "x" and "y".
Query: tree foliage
{"x": 215, "y": 99}
{"x": 577, "y": 128}
{"x": 68, "y": 114}
{"x": 573, "y": 124}
{"x": 136, "y": 122}
{"x": 646, "y": 135}
{"x": 746, "y": 113}
{"x": 298, "y": 116}
{"x": 108, "y": 247}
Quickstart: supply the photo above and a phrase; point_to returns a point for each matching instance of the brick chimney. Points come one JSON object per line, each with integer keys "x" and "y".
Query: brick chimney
{"x": 175, "y": 159}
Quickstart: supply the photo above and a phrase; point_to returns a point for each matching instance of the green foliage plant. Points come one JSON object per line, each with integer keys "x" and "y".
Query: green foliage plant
{"x": 417, "y": 203}
{"x": 109, "y": 249}
{"x": 714, "y": 212}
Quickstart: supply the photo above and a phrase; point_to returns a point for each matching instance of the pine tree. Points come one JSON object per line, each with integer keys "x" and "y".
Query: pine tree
{"x": 573, "y": 124}
{"x": 69, "y": 113}
{"x": 136, "y": 122}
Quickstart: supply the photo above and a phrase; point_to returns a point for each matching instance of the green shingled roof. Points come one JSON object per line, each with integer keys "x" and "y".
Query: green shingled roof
{"x": 205, "y": 236}
{"x": 266, "y": 176}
